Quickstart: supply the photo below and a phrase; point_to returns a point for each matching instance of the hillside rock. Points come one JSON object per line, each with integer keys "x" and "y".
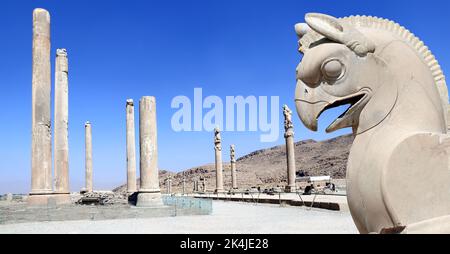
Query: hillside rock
{"x": 267, "y": 167}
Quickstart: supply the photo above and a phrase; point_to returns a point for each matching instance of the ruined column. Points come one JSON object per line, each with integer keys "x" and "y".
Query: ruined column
{"x": 233, "y": 168}
{"x": 204, "y": 184}
{"x": 290, "y": 154}
{"x": 131, "y": 149}
{"x": 41, "y": 144}
{"x": 169, "y": 185}
{"x": 88, "y": 158}
{"x": 195, "y": 185}
{"x": 61, "y": 127}
{"x": 184, "y": 184}
{"x": 219, "y": 170}
{"x": 149, "y": 191}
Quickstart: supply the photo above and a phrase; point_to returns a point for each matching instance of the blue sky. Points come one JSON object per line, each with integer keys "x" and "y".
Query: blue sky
{"x": 128, "y": 49}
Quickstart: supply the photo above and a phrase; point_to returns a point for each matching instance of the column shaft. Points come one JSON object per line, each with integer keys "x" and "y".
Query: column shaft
{"x": 61, "y": 123}
{"x": 218, "y": 160}
{"x": 41, "y": 146}
{"x": 290, "y": 153}
{"x": 88, "y": 158}
{"x": 149, "y": 191}
{"x": 131, "y": 148}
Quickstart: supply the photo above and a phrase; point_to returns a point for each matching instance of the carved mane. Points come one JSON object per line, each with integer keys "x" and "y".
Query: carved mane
{"x": 399, "y": 31}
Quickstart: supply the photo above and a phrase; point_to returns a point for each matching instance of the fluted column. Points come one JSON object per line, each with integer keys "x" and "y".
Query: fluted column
{"x": 88, "y": 156}
{"x": 218, "y": 160}
{"x": 233, "y": 168}
{"x": 149, "y": 191}
{"x": 290, "y": 154}
{"x": 61, "y": 126}
{"x": 131, "y": 148}
{"x": 41, "y": 145}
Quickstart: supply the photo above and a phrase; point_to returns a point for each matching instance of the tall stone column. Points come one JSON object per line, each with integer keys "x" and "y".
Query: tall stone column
{"x": 219, "y": 170}
{"x": 41, "y": 144}
{"x": 149, "y": 191}
{"x": 290, "y": 154}
{"x": 203, "y": 184}
{"x": 169, "y": 185}
{"x": 195, "y": 185}
{"x": 233, "y": 168}
{"x": 61, "y": 156}
{"x": 131, "y": 149}
{"x": 184, "y": 184}
{"x": 88, "y": 158}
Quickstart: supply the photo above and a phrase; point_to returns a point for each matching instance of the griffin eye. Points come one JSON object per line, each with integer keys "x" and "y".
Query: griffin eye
{"x": 332, "y": 69}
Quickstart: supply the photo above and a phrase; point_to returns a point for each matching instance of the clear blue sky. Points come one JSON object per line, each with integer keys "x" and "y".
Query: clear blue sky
{"x": 127, "y": 49}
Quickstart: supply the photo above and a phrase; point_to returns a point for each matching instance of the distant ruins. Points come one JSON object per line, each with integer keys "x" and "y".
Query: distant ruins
{"x": 218, "y": 156}
{"x": 290, "y": 156}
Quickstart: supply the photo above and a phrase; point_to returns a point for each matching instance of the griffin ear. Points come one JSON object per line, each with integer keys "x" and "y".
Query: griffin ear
{"x": 333, "y": 29}
{"x": 301, "y": 29}
{"x": 326, "y": 25}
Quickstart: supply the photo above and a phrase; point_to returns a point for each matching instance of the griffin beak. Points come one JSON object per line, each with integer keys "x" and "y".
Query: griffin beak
{"x": 311, "y": 103}
{"x": 308, "y": 109}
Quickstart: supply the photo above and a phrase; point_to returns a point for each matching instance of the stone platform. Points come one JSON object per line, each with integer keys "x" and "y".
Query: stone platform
{"x": 329, "y": 202}
{"x": 21, "y": 212}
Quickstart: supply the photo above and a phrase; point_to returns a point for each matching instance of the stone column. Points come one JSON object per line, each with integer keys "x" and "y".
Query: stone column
{"x": 61, "y": 127}
{"x": 169, "y": 185}
{"x": 290, "y": 154}
{"x": 131, "y": 149}
{"x": 204, "y": 184}
{"x": 233, "y": 168}
{"x": 149, "y": 191}
{"x": 184, "y": 185}
{"x": 88, "y": 158}
{"x": 195, "y": 185}
{"x": 41, "y": 144}
{"x": 219, "y": 170}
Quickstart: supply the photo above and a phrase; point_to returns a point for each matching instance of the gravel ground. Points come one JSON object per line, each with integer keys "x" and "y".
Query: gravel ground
{"x": 227, "y": 217}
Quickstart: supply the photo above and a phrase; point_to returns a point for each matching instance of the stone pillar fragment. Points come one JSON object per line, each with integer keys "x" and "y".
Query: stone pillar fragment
{"x": 88, "y": 156}
{"x": 233, "y": 168}
{"x": 290, "y": 154}
{"x": 131, "y": 148}
{"x": 41, "y": 145}
{"x": 149, "y": 191}
{"x": 169, "y": 185}
{"x": 218, "y": 160}
{"x": 203, "y": 184}
{"x": 195, "y": 185}
{"x": 62, "y": 127}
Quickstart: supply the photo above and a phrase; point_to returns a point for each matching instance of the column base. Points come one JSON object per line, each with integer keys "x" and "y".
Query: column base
{"x": 62, "y": 198}
{"x": 290, "y": 189}
{"x": 149, "y": 199}
{"x": 49, "y": 199}
{"x": 219, "y": 191}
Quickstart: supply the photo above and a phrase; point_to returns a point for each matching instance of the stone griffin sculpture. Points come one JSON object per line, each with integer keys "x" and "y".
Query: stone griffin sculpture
{"x": 287, "y": 117}
{"x": 217, "y": 139}
{"x": 398, "y": 174}
{"x": 232, "y": 154}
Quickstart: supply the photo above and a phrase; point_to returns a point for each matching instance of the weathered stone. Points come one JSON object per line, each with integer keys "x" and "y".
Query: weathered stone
{"x": 61, "y": 127}
{"x": 88, "y": 156}
{"x": 131, "y": 148}
{"x": 233, "y": 167}
{"x": 218, "y": 160}
{"x": 398, "y": 167}
{"x": 41, "y": 144}
{"x": 149, "y": 191}
{"x": 290, "y": 156}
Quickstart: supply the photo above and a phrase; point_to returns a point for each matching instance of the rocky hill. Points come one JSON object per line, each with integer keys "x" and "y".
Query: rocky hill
{"x": 267, "y": 167}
